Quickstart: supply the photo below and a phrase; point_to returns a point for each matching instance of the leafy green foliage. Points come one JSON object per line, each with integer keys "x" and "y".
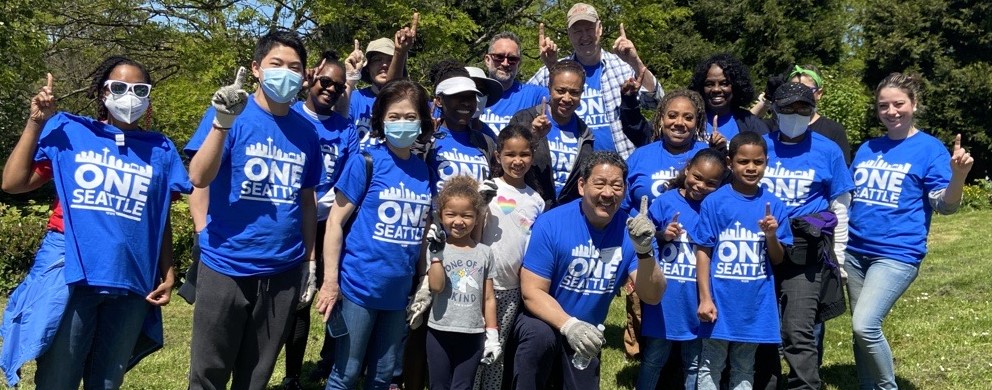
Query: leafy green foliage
{"x": 21, "y": 231}
{"x": 977, "y": 196}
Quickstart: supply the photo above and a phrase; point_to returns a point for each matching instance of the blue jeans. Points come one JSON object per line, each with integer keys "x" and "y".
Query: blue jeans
{"x": 94, "y": 341}
{"x": 713, "y": 359}
{"x": 374, "y": 340}
{"x": 874, "y": 284}
{"x": 654, "y": 354}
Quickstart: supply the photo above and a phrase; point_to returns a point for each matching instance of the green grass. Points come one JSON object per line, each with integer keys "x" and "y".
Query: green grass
{"x": 940, "y": 331}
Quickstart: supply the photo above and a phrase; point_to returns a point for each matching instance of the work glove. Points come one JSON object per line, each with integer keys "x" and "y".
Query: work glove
{"x": 419, "y": 304}
{"x": 310, "y": 288}
{"x": 641, "y": 230}
{"x": 488, "y": 190}
{"x": 230, "y": 101}
{"x": 584, "y": 338}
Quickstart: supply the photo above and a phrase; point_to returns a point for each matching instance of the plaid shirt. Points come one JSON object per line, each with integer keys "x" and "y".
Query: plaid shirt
{"x": 615, "y": 73}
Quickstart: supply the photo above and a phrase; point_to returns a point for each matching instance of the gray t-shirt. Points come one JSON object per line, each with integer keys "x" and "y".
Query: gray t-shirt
{"x": 459, "y": 307}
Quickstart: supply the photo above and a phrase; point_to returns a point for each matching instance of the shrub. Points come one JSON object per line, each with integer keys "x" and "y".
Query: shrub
{"x": 977, "y": 196}
{"x": 21, "y": 231}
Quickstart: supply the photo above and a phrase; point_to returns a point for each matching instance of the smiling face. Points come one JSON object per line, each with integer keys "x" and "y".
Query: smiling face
{"x": 895, "y": 109}
{"x": 503, "y": 61}
{"x": 566, "y": 94}
{"x": 515, "y": 158}
{"x": 458, "y": 216}
{"x": 748, "y": 166}
{"x": 458, "y": 109}
{"x": 601, "y": 193}
{"x": 702, "y": 178}
{"x": 280, "y": 56}
{"x": 678, "y": 123}
{"x": 584, "y": 36}
{"x": 718, "y": 91}
{"x": 327, "y": 88}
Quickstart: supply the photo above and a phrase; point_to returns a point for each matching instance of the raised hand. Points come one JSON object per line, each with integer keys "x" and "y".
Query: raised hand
{"x": 44, "y": 104}
{"x": 230, "y": 101}
{"x": 488, "y": 189}
{"x": 674, "y": 229}
{"x": 540, "y": 126}
{"x": 641, "y": 229}
{"x": 717, "y": 140}
{"x": 961, "y": 160}
{"x": 768, "y": 224}
{"x": 354, "y": 63}
{"x": 633, "y": 85}
{"x": 436, "y": 237}
{"x": 310, "y": 74}
{"x": 625, "y": 49}
{"x": 405, "y": 36}
{"x": 547, "y": 47}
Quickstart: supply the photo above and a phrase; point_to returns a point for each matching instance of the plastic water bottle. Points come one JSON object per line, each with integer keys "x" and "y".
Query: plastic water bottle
{"x": 582, "y": 362}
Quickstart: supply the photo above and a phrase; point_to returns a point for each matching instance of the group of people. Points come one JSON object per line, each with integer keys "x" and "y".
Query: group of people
{"x": 483, "y": 232}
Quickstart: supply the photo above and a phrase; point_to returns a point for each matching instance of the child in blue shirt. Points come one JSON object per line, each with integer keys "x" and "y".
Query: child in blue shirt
{"x": 739, "y": 230}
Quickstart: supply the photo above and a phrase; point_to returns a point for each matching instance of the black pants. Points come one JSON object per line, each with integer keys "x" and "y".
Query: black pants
{"x": 239, "y": 325}
{"x": 453, "y": 358}
{"x": 299, "y": 322}
{"x": 543, "y": 359}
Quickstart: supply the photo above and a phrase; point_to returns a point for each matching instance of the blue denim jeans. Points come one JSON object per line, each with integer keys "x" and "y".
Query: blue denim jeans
{"x": 374, "y": 340}
{"x": 654, "y": 354}
{"x": 713, "y": 359}
{"x": 874, "y": 284}
{"x": 94, "y": 341}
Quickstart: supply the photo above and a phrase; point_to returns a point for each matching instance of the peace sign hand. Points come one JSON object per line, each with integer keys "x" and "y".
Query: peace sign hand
{"x": 961, "y": 160}
{"x": 768, "y": 224}
{"x": 632, "y": 85}
{"x": 230, "y": 101}
{"x": 624, "y": 48}
{"x": 405, "y": 36}
{"x": 641, "y": 229}
{"x": 547, "y": 47}
{"x": 44, "y": 104}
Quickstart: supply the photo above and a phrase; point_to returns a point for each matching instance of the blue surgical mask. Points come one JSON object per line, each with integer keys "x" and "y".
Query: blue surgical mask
{"x": 281, "y": 84}
{"x": 792, "y": 125}
{"x": 402, "y": 133}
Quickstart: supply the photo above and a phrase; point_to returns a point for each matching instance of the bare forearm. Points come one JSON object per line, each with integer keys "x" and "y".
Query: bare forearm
{"x": 165, "y": 258}
{"x": 703, "y": 275}
{"x": 205, "y": 164}
{"x": 19, "y": 167}
{"x": 333, "y": 240}
{"x": 650, "y": 281}
{"x": 776, "y": 252}
{"x": 435, "y": 277}
{"x": 199, "y": 202}
{"x": 490, "y": 309}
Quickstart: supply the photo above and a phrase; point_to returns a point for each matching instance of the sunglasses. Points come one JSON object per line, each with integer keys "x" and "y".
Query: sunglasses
{"x": 804, "y": 111}
{"x": 499, "y": 58}
{"x": 327, "y": 82}
{"x": 140, "y": 90}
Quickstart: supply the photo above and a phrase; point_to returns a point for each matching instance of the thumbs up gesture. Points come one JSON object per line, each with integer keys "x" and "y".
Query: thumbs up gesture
{"x": 540, "y": 126}
{"x": 230, "y": 101}
{"x": 768, "y": 224}
{"x": 641, "y": 229}
{"x": 547, "y": 47}
{"x": 43, "y": 105}
{"x": 673, "y": 230}
{"x": 961, "y": 160}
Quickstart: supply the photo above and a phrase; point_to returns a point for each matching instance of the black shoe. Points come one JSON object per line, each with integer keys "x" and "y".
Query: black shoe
{"x": 291, "y": 384}
{"x": 320, "y": 372}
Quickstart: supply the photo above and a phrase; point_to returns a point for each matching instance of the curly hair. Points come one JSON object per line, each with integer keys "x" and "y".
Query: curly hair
{"x": 446, "y": 69}
{"x": 460, "y": 186}
{"x": 697, "y": 103}
{"x": 734, "y": 70}
{"x": 100, "y": 76}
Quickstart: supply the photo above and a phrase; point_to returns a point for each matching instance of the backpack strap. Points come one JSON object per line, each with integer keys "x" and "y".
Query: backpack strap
{"x": 368, "y": 184}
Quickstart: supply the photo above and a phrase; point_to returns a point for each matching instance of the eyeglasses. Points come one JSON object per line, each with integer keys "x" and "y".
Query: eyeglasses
{"x": 499, "y": 58}
{"x": 327, "y": 82}
{"x": 117, "y": 87}
{"x": 804, "y": 110}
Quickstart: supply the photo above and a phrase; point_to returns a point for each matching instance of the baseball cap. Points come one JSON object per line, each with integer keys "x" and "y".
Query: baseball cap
{"x": 582, "y": 11}
{"x": 489, "y": 87}
{"x": 381, "y": 45}
{"x": 790, "y": 93}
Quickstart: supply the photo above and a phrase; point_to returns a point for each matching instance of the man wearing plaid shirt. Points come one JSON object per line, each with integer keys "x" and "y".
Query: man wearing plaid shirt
{"x": 605, "y": 75}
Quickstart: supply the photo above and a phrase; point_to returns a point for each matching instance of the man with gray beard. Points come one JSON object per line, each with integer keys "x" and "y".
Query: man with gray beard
{"x": 503, "y": 63}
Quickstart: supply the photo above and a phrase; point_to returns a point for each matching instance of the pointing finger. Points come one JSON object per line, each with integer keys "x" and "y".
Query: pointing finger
{"x": 644, "y": 205}
{"x": 768, "y": 209}
{"x": 357, "y": 46}
{"x": 622, "y": 33}
{"x": 540, "y": 33}
{"x": 50, "y": 79}
{"x": 544, "y": 105}
{"x": 413, "y": 25}
{"x": 716, "y": 125}
{"x": 675, "y": 218}
{"x": 239, "y": 79}
{"x": 957, "y": 139}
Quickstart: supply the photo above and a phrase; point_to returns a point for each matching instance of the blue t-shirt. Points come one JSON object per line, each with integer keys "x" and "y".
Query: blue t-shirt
{"x": 592, "y": 110}
{"x": 563, "y": 143}
{"x": 115, "y": 199}
{"x": 726, "y": 124}
{"x": 807, "y": 175}
{"x": 380, "y": 251}
{"x": 254, "y": 217}
{"x": 743, "y": 287}
{"x": 586, "y": 266}
{"x": 675, "y": 318}
{"x": 360, "y": 111}
{"x": 453, "y": 155}
{"x": 338, "y": 142}
{"x": 650, "y": 167}
{"x": 890, "y": 210}
{"x": 520, "y": 96}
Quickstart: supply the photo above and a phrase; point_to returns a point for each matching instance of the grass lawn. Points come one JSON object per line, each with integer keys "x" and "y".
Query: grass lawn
{"x": 940, "y": 331}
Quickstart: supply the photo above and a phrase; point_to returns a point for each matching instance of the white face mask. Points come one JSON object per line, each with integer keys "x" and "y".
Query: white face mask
{"x": 793, "y": 125}
{"x": 126, "y": 108}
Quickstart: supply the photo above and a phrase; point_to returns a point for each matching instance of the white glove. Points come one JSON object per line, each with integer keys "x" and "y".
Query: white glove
{"x": 418, "y": 305}
{"x": 310, "y": 289}
{"x": 488, "y": 190}
{"x": 641, "y": 229}
{"x": 492, "y": 348}
{"x": 230, "y": 101}
{"x": 583, "y": 337}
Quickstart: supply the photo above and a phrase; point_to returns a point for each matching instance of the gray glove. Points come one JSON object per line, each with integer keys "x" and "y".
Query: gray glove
{"x": 230, "y": 101}
{"x": 641, "y": 229}
{"x": 436, "y": 239}
{"x": 310, "y": 286}
{"x": 583, "y": 337}
{"x": 488, "y": 190}
{"x": 418, "y": 305}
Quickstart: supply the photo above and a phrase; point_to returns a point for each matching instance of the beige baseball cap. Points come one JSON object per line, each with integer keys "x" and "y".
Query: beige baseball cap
{"x": 381, "y": 45}
{"x": 582, "y": 11}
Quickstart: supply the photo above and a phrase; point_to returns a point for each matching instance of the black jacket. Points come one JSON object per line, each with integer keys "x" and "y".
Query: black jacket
{"x": 542, "y": 160}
